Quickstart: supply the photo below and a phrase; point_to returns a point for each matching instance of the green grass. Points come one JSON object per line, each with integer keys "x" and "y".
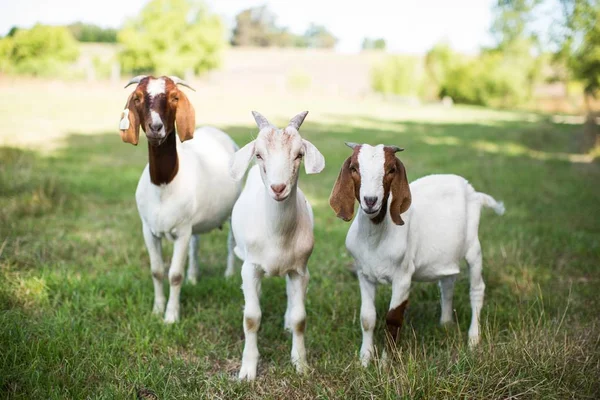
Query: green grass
{"x": 76, "y": 291}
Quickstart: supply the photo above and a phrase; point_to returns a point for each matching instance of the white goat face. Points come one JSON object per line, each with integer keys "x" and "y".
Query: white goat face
{"x": 278, "y": 153}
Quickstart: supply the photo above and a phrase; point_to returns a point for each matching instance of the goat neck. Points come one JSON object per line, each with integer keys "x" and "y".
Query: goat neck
{"x": 282, "y": 215}
{"x": 164, "y": 163}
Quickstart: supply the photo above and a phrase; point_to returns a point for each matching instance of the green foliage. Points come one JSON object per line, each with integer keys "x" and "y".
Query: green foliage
{"x": 581, "y": 43}
{"x": 373, "y": 44}
{"x": 490, "y": 79}
{"x": 172, "y": 37}
{"x": 396, "y": 75}
{"x": 439, "y": 61}
{"x": 41, "y": 51}
{"x": 93, "y": 33}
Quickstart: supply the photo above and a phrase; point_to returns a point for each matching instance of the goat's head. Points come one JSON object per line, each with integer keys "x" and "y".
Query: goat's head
{"x": 370, "y": 175}
{"x": 278, "y": 153}
{"x": 157, "y": 105}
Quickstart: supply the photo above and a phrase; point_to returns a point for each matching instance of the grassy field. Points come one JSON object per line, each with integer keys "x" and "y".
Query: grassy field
{"x": 76, "y": 291}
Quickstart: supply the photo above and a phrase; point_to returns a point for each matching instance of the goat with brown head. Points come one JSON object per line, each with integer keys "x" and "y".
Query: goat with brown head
{"x": 158, "y": 106}
{"x": 370, "y": 175}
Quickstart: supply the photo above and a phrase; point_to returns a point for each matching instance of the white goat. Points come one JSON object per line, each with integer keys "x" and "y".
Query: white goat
{"x": 440, "y": 230}
{"x": 273, "y": 228}
{"x": 185, "y": 189}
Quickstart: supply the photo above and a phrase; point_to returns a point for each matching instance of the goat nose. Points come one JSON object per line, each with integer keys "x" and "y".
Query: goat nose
{"x": 370, "y": 200}
{"x": 278, "y": 189}
{"x": 156, "y": 126}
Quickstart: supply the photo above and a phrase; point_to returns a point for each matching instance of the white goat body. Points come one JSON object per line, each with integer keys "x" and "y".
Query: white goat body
{"x": 202, "y": 193}
{"x": 276, "y": 236}
{"x": 273, "y": 227}
{"x": 440, "y": 227}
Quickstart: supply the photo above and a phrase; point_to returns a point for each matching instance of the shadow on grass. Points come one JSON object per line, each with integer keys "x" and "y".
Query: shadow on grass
{"x": 76, "y": 293}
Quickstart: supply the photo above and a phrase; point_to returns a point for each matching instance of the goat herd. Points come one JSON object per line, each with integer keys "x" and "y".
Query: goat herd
{"x": 192, "y": 184}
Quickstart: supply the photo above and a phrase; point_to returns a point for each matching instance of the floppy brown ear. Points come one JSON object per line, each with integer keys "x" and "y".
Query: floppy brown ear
{"x": 400, "y": 190}
{"x": 130, "y": 123}
{"x": 342, "y": 195}
{"x": 185, "y": 118}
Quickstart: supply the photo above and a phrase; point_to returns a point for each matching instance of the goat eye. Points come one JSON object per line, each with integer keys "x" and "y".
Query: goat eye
{"x": 259, "y": 157}
{"x": 392, "y": 171}
{"x": 353, "y": 169}
{"x": 299, "y": 156}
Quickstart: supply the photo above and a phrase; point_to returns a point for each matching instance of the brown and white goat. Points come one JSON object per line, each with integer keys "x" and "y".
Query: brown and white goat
{"x": 405, "y": 232}
{"x": 185, "y": 189}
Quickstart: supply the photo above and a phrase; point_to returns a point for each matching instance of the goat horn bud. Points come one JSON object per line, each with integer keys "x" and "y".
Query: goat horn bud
{"x": 261, "y": 121}
{"x": 297, "y": 121}
{"x": 395, "y": 149}
{"x": 179, "y": 81}
{"x": 136, "y": 79}
{"x": 351, "y": 144}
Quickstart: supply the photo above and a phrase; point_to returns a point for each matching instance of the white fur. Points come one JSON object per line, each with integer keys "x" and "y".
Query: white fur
{"x": 200, "y": 198}
{"x": 274, "y": 234}
{"x": 156, "y": 119}
{"x": 440, "y": 230}
{"x": 155, "y": 87}
{"x": 370, "y": 162}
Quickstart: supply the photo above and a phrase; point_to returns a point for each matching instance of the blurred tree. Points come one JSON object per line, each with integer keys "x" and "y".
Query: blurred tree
{"x": 317, "y": 36}
{"x": 93, "y": 33}
{"x": 257, "y": 27}
{"x": 439, "y": 61}
{"x": 42, "y": 50}
{"x": 373, "y": 44}
{"x": 512, "y": 22}
{"x": 396, "y": 75}
{"x": 172, "y": 37}
{"x": 580, "y": 44}
{"x": 12, "y": 31}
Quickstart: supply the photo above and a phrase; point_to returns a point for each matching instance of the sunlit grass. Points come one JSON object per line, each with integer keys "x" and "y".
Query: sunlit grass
{"x": 76, "y": 290}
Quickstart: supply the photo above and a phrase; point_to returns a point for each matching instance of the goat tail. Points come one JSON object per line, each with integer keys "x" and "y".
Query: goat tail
{"x": 489, "y": 201}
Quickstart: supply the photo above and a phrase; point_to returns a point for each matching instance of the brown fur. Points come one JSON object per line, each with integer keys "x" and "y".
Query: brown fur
{"x": 251, "y": 324}
{"x": 301, "y": 326}
{"x": 397, "y": 184}
{"x": 175, "y": 110}
{"x": 163, "y": 161}
{"x": 347, "y": 188}
{"x": 394, "y": 320}
{"x": 176, "y": 279}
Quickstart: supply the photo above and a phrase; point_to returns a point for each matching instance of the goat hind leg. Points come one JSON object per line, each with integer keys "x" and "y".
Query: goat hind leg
{"x": 447, "y": 292}
{"x": 476, "y": 292}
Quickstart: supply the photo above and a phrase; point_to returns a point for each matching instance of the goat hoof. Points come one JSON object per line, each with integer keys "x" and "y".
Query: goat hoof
{"x": 192, "y": 280}
{"x": 473, "y": 342}
{"x": 171, "y": 318}
{"x": 247, "y": 373}
{"x": 158, "y": 309}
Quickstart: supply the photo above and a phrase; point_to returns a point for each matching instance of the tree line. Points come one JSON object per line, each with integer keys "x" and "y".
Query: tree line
{"x": 183, "y": 37}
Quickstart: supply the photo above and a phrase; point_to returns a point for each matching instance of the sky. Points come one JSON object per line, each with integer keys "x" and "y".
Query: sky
{"x": 408, "y": 26}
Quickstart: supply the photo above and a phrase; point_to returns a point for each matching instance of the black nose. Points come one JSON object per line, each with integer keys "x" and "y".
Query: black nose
{"x": 370, "y": 201}
{"x": 156, "y": 126}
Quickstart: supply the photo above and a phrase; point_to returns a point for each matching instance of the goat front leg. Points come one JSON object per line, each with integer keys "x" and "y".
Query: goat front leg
{"x": 192, "y": 272}
{"x": 368, "y": 316}
{"x": 153, "y": 244}
{"x": 395, "y": 316}
{"x": 251, "y": 277}
{"x": 295, "y": 316}
{"x": 176, "y": 270}
{"x": 230, "y": 252}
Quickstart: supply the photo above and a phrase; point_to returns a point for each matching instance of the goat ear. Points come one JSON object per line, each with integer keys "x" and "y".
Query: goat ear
{"x": 130, "y": 123}
{"x": 343, "y": 193}
{"x": 314, "y": 162}
{"x": 241, "y": 160}
{"x": 185, "y": 118}
{"x": 401, "y": 197}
